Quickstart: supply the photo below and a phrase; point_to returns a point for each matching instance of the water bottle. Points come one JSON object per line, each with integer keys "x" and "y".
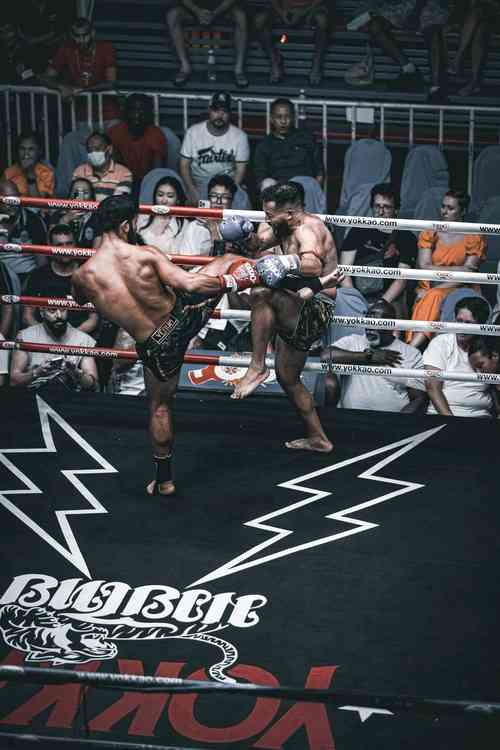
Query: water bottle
{"x": 212, "y": 76}
{"x": 301, "y": 110}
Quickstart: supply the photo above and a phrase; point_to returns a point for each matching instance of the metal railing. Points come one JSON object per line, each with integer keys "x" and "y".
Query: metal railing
{"x": 43, "y": 109}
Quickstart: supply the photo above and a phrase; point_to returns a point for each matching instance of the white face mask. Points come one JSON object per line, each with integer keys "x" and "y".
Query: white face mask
{"x": 96, "y": 158}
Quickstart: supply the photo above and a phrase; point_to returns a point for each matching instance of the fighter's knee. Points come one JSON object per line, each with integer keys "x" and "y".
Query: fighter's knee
{"x": 261, "y": 294}
{"x": 162, "y": 409}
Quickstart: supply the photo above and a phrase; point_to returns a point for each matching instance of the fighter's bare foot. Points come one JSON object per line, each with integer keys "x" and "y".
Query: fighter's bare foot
{"x": 249, "y": 382}
{"x": 320, "y": 445}
{"x": 162, "y": 488}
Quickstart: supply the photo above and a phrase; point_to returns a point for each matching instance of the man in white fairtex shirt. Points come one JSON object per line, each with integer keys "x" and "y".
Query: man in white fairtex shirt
{"x": 450, "y": 351}
{"x": 377, "y": 347}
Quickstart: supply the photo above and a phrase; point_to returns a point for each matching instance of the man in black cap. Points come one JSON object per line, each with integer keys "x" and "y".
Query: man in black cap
{"x": 212, "y": 147}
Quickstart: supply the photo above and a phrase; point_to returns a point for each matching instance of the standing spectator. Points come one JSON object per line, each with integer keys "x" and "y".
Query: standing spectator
{"x": 206, "y": 12}
{"x": 106, "y": 175}
{"x": 438, "y": 250}
{"x": 286, "y": 152}
{"x": 4, "y": 364}
{"x": 43, "y": 24}
{"x": 380, "y": 17}
{"x": 479, "y": 21}
{"x": 211, "y": 147}
{"x": 450, "y": 351}
{"x": 83, "y": 224}
{"x": 54, "y": 280}
{"x": 141, "y": 145}
{"x": 377, "y": 347}
{"x": 380, "y": 246}
{"x": 34, "y": 369}
{"x": 28, "y": 173}
{"x": 20, "y": 226}
{"x": 293, "y": 14}
{"x": 166, "y": 232}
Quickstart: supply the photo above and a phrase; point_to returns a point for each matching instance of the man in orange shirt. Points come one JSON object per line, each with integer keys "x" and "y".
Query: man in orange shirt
{"x": 30, "y": 176}
{"x": 293, "y": 14}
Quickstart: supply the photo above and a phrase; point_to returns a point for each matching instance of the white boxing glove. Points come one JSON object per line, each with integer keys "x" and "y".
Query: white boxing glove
{"x": 235, "y": 229}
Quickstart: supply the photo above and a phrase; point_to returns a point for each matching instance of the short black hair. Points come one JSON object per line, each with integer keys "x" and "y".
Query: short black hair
{"x": 387, "y": 191}
{"x": 60, "y": 229}
{"x": 114, "y": 210}
{"x": 387, "y": 308}
{"x": 488, "y": 345}
{"x": 461, "y": 197}
{"x": 225, "y": 180}
{"x": 102, "y": 135}
{"x": 89, "y": 185}
{"x": 32, "y": 134}
{"x": 478, "y": 306}
{"x": 282, "y": 102}
{"x": 285, "y": 194}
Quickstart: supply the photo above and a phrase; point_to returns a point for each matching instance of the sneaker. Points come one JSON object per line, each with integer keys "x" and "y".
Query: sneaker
{"x": 361, "y": 73}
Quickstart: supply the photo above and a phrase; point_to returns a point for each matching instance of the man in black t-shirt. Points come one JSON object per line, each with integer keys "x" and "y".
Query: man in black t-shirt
{"x": 54, "y": 280}
{"x": 388, "y": 248}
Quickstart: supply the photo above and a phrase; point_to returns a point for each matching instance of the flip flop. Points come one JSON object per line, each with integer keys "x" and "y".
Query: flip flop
{"x": 181, "y": 78}
{"x": 241, "y": 80}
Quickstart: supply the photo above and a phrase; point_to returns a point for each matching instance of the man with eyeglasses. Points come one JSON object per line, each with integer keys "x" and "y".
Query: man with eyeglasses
{"x": 381, "y": 246}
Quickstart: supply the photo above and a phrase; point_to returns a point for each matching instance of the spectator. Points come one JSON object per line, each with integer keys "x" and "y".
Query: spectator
{"x": 34, "y": 369}
{"x": 127, "y": 376}
{"x": 106, "y": 175}
{"x": 28, "y": 173}
{"x": 211, "y": 147}
{"x": 202, "y": 236}
{"x": 4, "y": 364}
{"x": 438, "y": 250}
{"x": 43, "y": 24}
{"x": 484, "y": 355}
{"x": 83, "y": 224}
{"x": 141, "y": 145}
{"x": 15, "y": 63}
{"x": 450, "y": 351}
{"x": 476, "y": 28}
{"x": 377, "y": 347}
{"x": 380, "y": 246}
{"x": 6, "y": 311}
{"x": 180, "y": 12}
{"x": 54, "y": 280}
{"x": 379, "y": 17}
{"x": 293, "y": 14}
{"x": 167, "y": 233}
{"x": 286, "y": 152}
{"x": 20, "y": 226}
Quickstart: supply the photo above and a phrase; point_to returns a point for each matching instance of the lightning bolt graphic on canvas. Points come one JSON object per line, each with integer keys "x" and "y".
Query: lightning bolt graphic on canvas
{"x": 262, "y": 553}
{"x": 71, "y": 552}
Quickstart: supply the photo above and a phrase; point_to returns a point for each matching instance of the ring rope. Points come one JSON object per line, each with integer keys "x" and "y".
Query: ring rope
{"x": 13, "y": 740}
{"x": 348, "y": 270}
{"x": 460, "y": 227}
{"x": 37, "y": 675}
{"x": 233, "y": 359}
{"x": 385, "y": 324}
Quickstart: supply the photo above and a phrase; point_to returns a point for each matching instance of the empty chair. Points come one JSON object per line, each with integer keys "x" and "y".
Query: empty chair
{"x": 485, "y": 178}
{"x": 173, "y": 146}
{"x": 315, "y": 197}
{"x": 366, "y": 161}
{"x": 425, "y": 167}
{"x": 429, "y": 205}
{"x": 490, "y": 214}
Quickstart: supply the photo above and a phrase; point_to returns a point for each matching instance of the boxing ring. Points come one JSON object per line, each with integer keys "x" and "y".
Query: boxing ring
{"x": 329, "y": 601}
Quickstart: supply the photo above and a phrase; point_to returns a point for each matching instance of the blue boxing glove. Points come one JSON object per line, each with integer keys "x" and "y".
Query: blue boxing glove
{"x": 236, "y": 229}
{"x": 273, "y": 268}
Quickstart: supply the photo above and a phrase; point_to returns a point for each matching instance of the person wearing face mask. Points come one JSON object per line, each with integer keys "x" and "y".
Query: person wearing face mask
{"x": 167, "y": 233}
{"x": 106, "y": 175}
{"x": 83, "y": 224}
{"x": 213, "y": 147}
{"x": 34, "y": 369}
{"x": 379, "y": 348}
{"x": 28, "y": 173}
{"x": 444, "y": 250}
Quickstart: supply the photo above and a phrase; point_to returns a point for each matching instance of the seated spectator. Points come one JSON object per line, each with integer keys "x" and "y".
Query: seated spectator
{"x": 43, "y": 24}
{"x": 450, "y": 351}
{"x": 294, "y": 14}
{"x": 438, "y": 250}
{"x": 15, "y": 62}
{"x": 202, "y": 236}
{"x": 6, "y": 311}
{"x": 379, "y": 18}
{"x": 206, "y": 12}
{"x": 484, "y": 356}
{"x": 377, "y": 347}
{"x": 286, "y": 152}
{"x": 211, "y": 147}
{"x": 450, "y": 302}
{"x": 140, "y": 144}
{"x": 28, "y": 173}
{"x": 106, "y": 175}
{"x": 127, "y": 376}
{"x": 476, "y": 28}
{"x": 167, "y": 233}
{"x": 4, "y": 364}
{"x": 383, "y": 247}
{"x": 54, "y": 280}
{"x": 34, "y": 369}
{"x": 20, "y": 226}
{"x": 83, "y": 224}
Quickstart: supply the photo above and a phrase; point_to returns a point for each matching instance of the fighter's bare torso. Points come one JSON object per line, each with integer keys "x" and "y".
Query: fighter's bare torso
{"x": 123, "y": 283}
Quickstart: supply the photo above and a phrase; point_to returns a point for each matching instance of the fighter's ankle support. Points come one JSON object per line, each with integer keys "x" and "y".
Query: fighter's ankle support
{"x": 163, "y": 466}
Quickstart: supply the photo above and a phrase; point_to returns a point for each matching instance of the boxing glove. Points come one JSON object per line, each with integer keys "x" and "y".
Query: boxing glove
{"x": 235, "y": 229}
{"x": 241, "y": 275}
{"x": 273, "y": 268}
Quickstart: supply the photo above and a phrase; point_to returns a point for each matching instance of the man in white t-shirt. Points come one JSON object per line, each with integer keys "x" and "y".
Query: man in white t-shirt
{"x": 4, "y": 364}
{"x": 211, "y": 147}
{"x": 377, "y": 347}
{"x": 34, "y": 369}
{"x": 450, "y": 351}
